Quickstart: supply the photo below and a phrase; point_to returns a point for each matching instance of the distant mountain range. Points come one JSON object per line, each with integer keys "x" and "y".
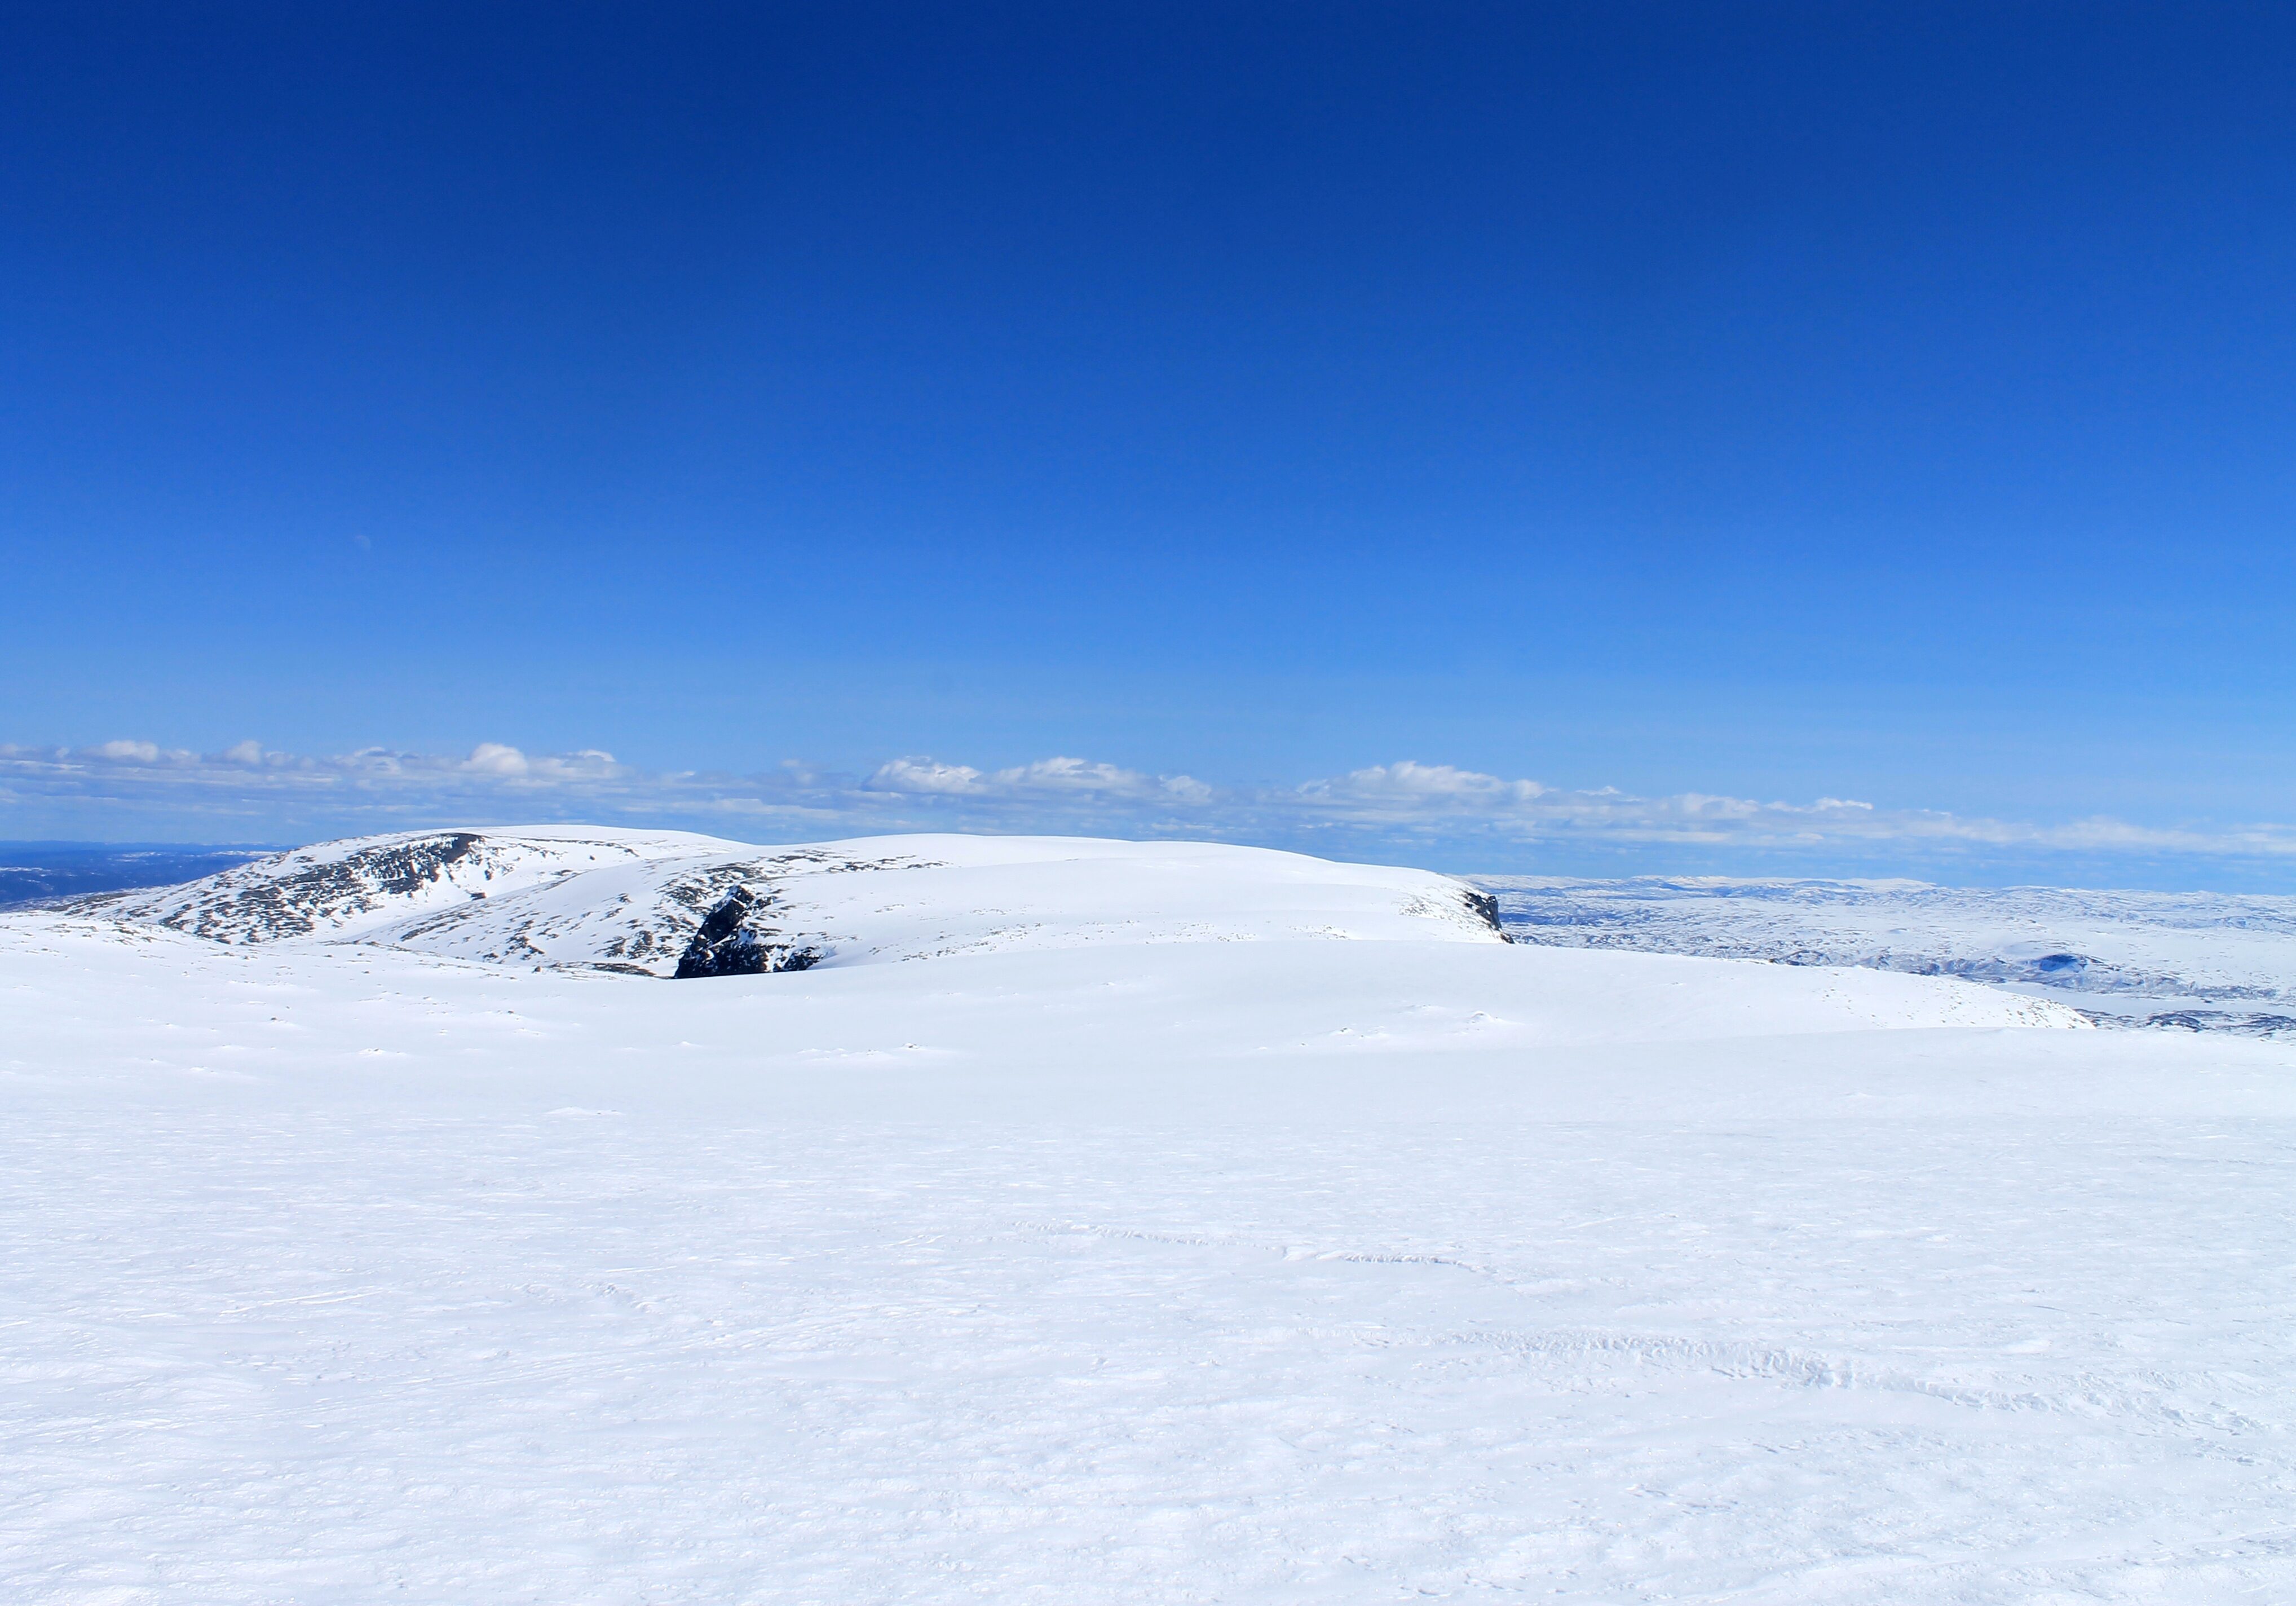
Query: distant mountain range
{"x": 38, "y": 871}
{"x": 2198, "y": 960}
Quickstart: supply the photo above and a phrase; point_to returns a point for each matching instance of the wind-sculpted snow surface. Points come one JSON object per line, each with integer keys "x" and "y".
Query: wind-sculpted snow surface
{"x": 1145, "y": 1245}
{"x": 670, "y": 904}
{"x": 2194, "y": 961}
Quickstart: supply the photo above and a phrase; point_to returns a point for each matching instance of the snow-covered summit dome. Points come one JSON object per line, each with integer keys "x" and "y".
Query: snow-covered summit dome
{"x": 675, "y": 904}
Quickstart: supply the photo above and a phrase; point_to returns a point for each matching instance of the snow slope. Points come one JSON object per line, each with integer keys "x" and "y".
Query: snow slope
{"x": 2198, "y": 960}
{"x": 1093, "y": 1271}
{"x": 644, "y": 903}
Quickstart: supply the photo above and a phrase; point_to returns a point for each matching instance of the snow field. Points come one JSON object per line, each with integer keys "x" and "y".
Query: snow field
{"x": 1266, "y": 1271}
{"x": 609, "y": 1358}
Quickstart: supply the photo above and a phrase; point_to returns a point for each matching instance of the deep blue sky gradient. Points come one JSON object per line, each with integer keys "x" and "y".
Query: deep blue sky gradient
{"x": 1783, "y": 400}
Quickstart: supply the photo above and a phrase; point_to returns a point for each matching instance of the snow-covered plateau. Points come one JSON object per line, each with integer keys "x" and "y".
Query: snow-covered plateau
{"x": 2180, "y": 960}
{"x": 1061, "y": 1221}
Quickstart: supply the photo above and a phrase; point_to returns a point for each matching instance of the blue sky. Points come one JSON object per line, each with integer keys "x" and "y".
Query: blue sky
{"x": 1371, "y": 427}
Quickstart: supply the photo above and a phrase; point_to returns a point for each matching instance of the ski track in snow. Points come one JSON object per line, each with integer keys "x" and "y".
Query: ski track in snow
{"x": 1213, "y": 1270}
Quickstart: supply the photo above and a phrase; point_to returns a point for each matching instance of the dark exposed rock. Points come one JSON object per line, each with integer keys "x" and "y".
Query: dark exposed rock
{"x": 2248, "y": 1024}
{"x": 1484, "y": 907}
{"x": 727, "y": 944}
{"x": 264, "y": 900}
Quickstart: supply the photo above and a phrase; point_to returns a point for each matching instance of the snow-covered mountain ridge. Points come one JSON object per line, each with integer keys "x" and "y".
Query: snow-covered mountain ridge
{"x": 2196, "y": 961}
{"x": 675, "y": 904}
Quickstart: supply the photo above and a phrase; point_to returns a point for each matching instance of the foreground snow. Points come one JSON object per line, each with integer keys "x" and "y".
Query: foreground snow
{"x": 1113, "y": 1271}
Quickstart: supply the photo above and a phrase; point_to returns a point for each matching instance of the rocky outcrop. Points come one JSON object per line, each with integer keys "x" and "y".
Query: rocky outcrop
{"x": 295, "y": 894}
{"x": 731, "y": 942}
{"x": 1484, "y": 907}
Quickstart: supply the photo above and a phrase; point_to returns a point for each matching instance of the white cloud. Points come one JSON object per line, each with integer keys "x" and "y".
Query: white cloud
{"x": 138, "y": 753}
{"x": 1082, "y": 776}
{"x": 924, "y": 775}
{"x": 1072, "y": 775}
{"x": 1423, "y": 784}
{"x": 1402, "y": 808}
{"x": 1044, "y": 778}
{"x": 494, "y": 758}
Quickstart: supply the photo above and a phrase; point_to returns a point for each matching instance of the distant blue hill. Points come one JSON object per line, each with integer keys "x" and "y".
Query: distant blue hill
{"x": 34, "y": 871}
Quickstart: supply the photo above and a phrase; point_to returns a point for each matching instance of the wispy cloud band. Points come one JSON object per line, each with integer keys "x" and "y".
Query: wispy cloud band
{"x": 251, "y": 792}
